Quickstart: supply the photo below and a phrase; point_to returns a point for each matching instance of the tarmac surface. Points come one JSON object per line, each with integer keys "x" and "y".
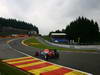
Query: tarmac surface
{"x": 88, "y": 62}
{"x": 6, "y": 51}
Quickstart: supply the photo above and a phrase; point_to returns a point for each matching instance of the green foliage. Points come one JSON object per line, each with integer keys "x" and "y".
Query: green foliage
{"x": 84, "y": 29}
{"x": 35, "y": 43}
{"x": 16, "y": 24}
{"x": 46, "y": 38}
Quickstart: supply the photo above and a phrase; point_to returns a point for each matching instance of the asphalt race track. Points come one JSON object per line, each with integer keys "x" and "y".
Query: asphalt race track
{"x": 88, "y": 62}
{"x": 6, "y": 51}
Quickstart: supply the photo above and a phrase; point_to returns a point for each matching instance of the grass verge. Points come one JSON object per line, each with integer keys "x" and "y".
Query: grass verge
{"x": 46, "y": 38}
{"x": 35, "y": 43}
{"x": 6, "y": 69}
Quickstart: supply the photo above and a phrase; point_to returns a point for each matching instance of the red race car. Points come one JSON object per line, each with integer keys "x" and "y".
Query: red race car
{"x": 47, "y": 53}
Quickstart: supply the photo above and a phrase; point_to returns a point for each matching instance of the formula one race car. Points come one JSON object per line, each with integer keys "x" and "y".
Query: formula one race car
{"x": 47, "y": 53}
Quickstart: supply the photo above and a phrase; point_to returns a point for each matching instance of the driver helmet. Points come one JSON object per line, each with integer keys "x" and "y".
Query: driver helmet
{"x": 46, "y": 50}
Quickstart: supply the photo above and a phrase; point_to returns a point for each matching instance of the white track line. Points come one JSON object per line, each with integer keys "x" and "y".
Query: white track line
{"x": 22, "y": 42}
{"x": 41, "y": 59}
{"x": 68, "y": 67}
{"x": 60, "y": 65}
{"x": 16, "y": 49}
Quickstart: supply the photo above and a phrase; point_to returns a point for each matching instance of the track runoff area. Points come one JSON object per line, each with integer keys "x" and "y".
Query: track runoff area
{"x": 37, "y": 66}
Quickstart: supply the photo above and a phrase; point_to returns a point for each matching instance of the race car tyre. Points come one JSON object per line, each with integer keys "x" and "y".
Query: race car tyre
{"x": 45, "y": 57}
{"x": 56, "y": 55}
{"x": 36, "y": 53}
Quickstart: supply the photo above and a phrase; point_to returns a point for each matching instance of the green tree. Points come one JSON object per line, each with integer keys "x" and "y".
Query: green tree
{"x": 16, "y": 24}
{"x": 83, "y": 30}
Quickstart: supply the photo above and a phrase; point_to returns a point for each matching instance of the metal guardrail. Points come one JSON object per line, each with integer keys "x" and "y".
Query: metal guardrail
{"x": 82, "y": 47}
